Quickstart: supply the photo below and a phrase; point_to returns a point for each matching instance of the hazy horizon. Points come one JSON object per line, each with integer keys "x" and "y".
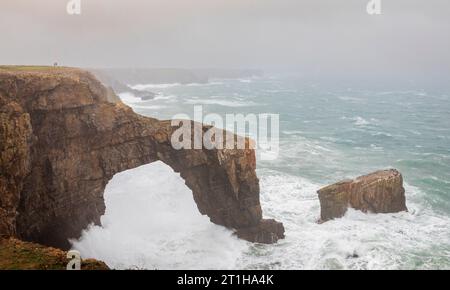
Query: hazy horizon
{"x": 327, "y": 37}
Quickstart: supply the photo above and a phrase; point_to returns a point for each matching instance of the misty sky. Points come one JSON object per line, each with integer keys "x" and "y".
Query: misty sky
{"x": 336, "y": 36}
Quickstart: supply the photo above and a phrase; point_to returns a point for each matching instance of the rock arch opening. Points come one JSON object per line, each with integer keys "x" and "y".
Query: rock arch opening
{"x": 152, "y": 222}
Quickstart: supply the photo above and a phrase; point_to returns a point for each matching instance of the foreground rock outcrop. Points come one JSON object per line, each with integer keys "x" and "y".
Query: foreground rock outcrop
{"x": 19, "y": 255}
{"x": 63, "y": 136}
{"x": 379, "y": 192}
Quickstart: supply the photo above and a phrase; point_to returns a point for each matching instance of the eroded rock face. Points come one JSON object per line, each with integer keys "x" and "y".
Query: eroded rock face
{"x": 62, "y": 138}
{"x": 379, "y": 192}
{"x": 268, "y": 231}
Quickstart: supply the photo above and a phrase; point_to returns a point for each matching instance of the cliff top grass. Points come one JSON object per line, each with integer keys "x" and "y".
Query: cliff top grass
{"x": 42, "y": 71}
{"x": 19, "y": 255}
{"x": 31, "y": 68}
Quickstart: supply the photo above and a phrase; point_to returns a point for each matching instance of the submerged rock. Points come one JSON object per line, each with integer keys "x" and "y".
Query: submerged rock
{"x": 379, "y": 192}
{"x": 147, "y": 96}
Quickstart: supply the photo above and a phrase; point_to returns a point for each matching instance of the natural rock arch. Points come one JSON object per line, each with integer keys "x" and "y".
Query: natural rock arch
{"x": 64, "y": 136}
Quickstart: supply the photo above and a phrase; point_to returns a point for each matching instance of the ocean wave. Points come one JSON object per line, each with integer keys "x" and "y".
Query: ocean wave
{"x": 129, "y": 98}
{"x": 407, "y": 240}
{"x": 149, "y": 87}
{"x": 357, "y": 121}
{"x": 292, "y": 132}
{"x": 220, "y": 102}
{"x": 384, "y": 134}
{"x": 360, "y": 121}
{"x": 245, "y": 81}
{"x": 376, "y": 147}
{"x": 152, "y": 222}
{"x": 329, "y": 139}
{"x": 213, "y": 83}
{"x": 164, "y": 97}
{"x": 280, "y": 91}
{"x": 137, "y": 103}
{"x": 350, "y": 99}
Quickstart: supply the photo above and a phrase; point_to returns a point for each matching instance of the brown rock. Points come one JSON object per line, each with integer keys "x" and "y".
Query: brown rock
{"x": 379, "y": 192}
{"x": 268, "y": 231}
{"x": 63, "y": 136}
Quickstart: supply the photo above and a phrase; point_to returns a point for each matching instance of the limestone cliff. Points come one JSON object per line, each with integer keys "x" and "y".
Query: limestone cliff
{"x": 62, "y": 138}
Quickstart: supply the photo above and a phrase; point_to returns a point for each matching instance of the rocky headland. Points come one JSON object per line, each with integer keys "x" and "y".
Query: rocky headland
{"x": 63, "y": 136}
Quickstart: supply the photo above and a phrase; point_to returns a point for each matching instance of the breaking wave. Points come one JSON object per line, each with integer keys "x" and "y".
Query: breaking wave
{"x": 152, "y": 222}
{"x": 149, "y": 87}
{"x": 225, "y": 103}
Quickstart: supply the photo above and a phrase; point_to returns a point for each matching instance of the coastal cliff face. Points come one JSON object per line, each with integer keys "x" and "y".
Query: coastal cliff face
{"x": 63, "y": 136}
{"x": 378, "y": 192}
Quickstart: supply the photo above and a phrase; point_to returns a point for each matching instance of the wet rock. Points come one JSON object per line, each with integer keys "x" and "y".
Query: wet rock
{"x": 379, "y": 192}
{"x": 268, "y": 231}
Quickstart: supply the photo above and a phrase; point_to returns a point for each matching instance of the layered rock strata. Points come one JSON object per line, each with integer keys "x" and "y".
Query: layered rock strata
{"x": 379, "y": 192}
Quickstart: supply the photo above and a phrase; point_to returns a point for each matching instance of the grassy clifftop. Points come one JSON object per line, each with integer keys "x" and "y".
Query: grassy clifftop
{"x": 19, "y": 255}
{"x": 29, "y": 68}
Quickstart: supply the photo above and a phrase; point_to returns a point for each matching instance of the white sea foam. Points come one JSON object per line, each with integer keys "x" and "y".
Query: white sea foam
{"x": 360, "y": 121}
{"x": 149, "y": 87}
{"x": 383, "y": 134}
{"x": 293, "y": 132}
{"x": 329, "y": 139}
{"x": 356, "y": 241}
{"x": 152, "y": 222}
{"x": 220, "y": 102}
{"x": 129, "y": 98}
{"x": 215, "y": 83}
{"x": 350, "y": 99}
{"x": 357, "y": 121}
{"x": 245, "y": 80}
{"x": 137, "y": 103}
{"x": 164, "y": 97}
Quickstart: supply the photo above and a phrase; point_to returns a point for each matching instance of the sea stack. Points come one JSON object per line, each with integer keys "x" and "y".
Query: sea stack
{"x": 378, "y": 192}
